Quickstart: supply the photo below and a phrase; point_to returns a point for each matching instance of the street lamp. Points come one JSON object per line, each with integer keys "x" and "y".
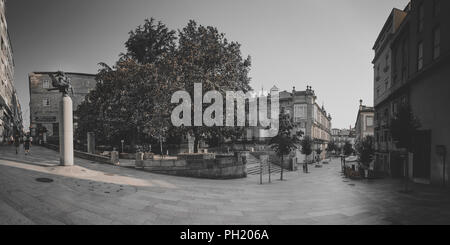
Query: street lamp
{"x": 122, "y": 141}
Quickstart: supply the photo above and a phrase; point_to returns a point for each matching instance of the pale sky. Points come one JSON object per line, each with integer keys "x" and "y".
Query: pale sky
{"x": 326, "y": 44}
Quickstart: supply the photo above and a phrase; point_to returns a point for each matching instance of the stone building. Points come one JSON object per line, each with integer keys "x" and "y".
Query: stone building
{"x": 364, "y": 122}
{"x": 420, "y": 72}
{"x": 10, "y": 110}
{"x": 44, "y": 104}
{"x": 308, "y": 116}
{"x": 341, "y": 136}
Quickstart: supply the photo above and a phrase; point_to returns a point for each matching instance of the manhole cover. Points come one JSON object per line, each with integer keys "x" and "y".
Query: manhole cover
{"x": 351, "y": 184}
{"x": 44, "y": 180}
{"x": 107, "y": 174}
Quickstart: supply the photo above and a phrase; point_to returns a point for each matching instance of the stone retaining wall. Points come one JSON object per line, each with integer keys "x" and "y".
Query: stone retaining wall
{"x": 199, "y": 166}
{"x": 87, "y": 156}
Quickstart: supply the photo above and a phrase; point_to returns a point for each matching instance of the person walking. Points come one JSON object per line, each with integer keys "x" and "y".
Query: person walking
{"x": 17, "y": 144}
{"x": 27, "y": 145}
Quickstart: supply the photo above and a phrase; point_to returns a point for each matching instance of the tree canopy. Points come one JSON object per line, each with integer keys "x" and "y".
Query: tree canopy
{"x": 132, "y": 98}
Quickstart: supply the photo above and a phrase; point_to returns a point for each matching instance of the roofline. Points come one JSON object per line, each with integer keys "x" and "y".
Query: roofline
{"x": 391, "y": 15}
{"x": 70, "y": 73}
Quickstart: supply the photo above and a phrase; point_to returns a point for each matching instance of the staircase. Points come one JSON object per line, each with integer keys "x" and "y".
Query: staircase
{"x": 254, "y": 166}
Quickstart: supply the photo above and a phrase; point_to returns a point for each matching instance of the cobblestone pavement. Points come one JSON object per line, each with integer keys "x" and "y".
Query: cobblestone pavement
{"x": 91, "y": 193}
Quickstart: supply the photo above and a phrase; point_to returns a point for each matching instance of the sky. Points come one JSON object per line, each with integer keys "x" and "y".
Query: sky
{"x": 326, "y": 44}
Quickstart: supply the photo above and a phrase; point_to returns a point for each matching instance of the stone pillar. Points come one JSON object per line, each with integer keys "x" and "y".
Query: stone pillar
{"x": 139, "y": 156}
{"x": 190, "y": 143}
{"x": 66, "y": 131}
{"x": 91, "y": 143}
{"x": 115, "y": 158}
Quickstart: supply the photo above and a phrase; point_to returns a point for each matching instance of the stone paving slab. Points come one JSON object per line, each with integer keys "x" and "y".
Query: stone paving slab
{"x": 92, "y": 193}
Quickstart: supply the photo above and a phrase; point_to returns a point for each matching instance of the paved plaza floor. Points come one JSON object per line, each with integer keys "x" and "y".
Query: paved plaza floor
{"x": 91, "y": 193}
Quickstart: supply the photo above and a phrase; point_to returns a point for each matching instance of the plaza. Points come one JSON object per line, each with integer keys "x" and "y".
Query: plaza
{"x": 92, "y": 193}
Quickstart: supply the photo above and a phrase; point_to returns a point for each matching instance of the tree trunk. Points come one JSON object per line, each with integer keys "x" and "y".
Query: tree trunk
{"x": 306, "y": 164}
{"x": 282, "y": 162}
{"x": 270, "y": 172}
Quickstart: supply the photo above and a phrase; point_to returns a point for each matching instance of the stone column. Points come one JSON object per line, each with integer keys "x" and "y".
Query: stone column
{"x": 66, "y": 131}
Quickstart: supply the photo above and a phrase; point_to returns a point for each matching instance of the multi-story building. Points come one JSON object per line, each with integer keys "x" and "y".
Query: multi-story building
{"x": 420, "y": 73}
{"x": 341, "y": 136}
{"x": 383, "y": 82}
{"x": 44, "y": 104}
{"x": 364, "y": 122}
{"x": 10, "y": 111}
{"x": 307, "y": 116}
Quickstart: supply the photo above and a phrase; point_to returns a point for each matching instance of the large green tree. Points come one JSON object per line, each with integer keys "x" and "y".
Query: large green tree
{"x": 366, "y": 151}
{"x": 332, "y": 146}
{"x": 306, "y": 144}
{"x": 150, "y": 43}
{"x": 348, "y": 148}
{"x": 132, "y": 98}
{"x": 205, "y": 56}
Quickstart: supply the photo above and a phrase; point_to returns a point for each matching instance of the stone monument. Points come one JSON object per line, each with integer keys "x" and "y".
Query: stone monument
{"x": 62, "y": 83}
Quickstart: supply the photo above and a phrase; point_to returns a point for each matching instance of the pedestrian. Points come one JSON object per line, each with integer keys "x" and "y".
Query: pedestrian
{"x": 17, "y": 144}
{"x": 27, "y": 145}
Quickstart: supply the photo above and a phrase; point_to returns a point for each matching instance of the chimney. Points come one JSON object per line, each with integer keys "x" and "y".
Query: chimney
{"x": 360, "y": 105}
{"x": 293, "y": 90}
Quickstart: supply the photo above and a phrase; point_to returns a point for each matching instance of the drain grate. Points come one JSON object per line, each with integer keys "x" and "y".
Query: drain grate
{"x": 44, "y": 180}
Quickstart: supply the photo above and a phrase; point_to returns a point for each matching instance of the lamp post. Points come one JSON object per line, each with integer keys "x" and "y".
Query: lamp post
{"x": 122, "y": 141}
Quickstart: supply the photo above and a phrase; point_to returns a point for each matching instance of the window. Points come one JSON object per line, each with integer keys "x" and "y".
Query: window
{"x": 46, "y": 102}
{"x": 46, "y": 84}
{"x": 436, "y": 43}
{"x": 394, "y": 109}
{"x": 420, "y": 56}
{"x": 421, "y": 14}
{"x": 299, "y": 111}
{"x": 369, "y": 121}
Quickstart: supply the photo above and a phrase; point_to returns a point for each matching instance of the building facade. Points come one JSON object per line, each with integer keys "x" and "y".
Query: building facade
{"x": 420, "y": 73}
{"x": 10, "y": 110}
{"x": 44, "y": 104}
{"x": 308, "y": 116}
{"x": 341, "y": 136}
{"x": 364, "y": 122}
